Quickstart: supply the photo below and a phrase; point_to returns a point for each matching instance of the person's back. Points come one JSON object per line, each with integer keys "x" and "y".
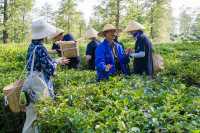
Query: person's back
{"x": 57, "y": 48}
{"x": 90, "y": 51}
{"x": 74, "y": 61}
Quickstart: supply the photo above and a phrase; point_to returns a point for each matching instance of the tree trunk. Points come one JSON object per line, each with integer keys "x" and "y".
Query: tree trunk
{"x": 68, "y": 25}
{"x": 80, "y": 30}
{"x": 152, "y": 24}
{"x": 118, "y": 14}
{"x": 5, "y": 18}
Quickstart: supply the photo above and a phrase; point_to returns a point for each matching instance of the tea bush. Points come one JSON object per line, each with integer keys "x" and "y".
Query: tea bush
{"x": 169, "y": 103}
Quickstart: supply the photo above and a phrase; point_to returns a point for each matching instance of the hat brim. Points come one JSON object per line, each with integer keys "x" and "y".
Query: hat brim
{"x": 131, "y": 30}
{"x": 57, "y": 33}
{"x": 101, "y": 33}
{"x": 89, "y": 37}
{"x": 48, "y": 31}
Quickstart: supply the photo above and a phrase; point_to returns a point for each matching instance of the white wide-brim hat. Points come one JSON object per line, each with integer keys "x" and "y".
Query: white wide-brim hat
{"x": 108, "y": 27}
{"x": 134, "y": 26}
{"x": 42, "y": 29}
{"x": 58, "y": 32}
{"x": 91, "y": 33}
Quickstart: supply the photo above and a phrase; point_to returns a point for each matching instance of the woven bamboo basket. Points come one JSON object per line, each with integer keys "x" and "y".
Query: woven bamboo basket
{"x": 12, "y": 92}
{"x": 158, "y": 62}
{"x": 69, "y": 50}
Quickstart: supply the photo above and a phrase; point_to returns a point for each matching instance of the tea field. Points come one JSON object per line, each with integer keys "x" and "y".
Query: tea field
{"x": 133, "y": 104}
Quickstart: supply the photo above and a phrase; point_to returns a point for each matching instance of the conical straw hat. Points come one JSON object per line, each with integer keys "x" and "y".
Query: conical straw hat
{"x": 108, "y": 27}
{"x": 91, "y": 33}
{"x": 56, "y": 33}
{"x": 41, "y": 29}
{"x": 134, "y": 26}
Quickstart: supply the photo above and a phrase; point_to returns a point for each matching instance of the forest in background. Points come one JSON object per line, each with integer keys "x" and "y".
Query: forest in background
{"x": 156, "y": 15}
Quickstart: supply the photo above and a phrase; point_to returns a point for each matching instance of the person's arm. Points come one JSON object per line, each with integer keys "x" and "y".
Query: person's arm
{"x": 141, "y": 51}
{"x": 88, "y": 58}
{"x": 88, "y": 53}
{"x": 100, "y": 59}
{"x": 124, "y": 57}
{"x": 52, "y": 51}
{"x": 47, "y": 64}
{"x": 55, "y": 48}
{"x": 140, "y": 54}
{"x": 66, "y": 42}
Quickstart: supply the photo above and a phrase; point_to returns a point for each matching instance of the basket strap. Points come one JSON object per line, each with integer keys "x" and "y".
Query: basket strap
{"x": 33, "y": 54}
{"x": 33, "y": 60}
{"x": 65, "y": 49}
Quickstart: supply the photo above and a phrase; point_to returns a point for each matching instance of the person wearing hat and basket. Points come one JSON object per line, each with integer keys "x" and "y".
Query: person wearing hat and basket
{"x": 40, "y": 64}
{"x": 110, "y": 57}
{"x": 91, "y": 47}
{"x": 58, "y": 39}
{"x": 143, "y": 58}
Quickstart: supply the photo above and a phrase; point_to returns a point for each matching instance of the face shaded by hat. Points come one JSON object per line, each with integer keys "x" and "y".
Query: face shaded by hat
{"x": 109, "y": 32}
{"x": 58, "y": 35}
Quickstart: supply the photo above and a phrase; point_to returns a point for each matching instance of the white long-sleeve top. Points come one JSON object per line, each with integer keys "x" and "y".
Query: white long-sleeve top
{"x": 140, "y": 54}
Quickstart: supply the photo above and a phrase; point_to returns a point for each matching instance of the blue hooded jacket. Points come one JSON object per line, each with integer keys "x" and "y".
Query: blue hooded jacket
{"x": 104, "y": 56}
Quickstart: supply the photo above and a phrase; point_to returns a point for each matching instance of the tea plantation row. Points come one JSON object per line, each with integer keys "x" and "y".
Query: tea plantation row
{"x": 169, "y": 103}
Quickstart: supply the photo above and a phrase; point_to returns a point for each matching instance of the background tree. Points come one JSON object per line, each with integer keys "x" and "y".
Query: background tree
{"x": 159, "y": 19}
{"x": 185, "y": 23}
{"x": 5, "y": 19}
{"x": 195, "y": 28}
{"x": 15, "y": 19}
{"x": 48, "y": 13}
{"x": 69, "y": 18}
{"x": 152, "y": 14}
{"x": 111, "y": 11}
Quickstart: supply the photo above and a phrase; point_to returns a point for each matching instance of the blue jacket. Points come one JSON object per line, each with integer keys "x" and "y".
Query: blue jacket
{"x": 104, "y": 56}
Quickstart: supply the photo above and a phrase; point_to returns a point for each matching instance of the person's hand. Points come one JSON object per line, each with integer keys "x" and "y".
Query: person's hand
{"x": 66, "y": 42}
{"x": 22, "y": 99}
{"x": 76, "y": 42}
{"x": 108, "y": 67}
{"x": 58, "y": 42}
{"x": 88, "y": 58}
{"x": 128, "y": 51}
{"x": 63, "y": 61}
{"x": 52, "y": 51}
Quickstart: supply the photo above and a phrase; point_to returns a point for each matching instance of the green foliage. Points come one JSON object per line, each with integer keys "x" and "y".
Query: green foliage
{"x": 153, "y": 14}
{"x": 169, "y": 103}
{"x": 182, "y": 61}
{"x": 69, "y": 18}
{"x": 196, "y": 27}
{"x": 189, "y": 24}
{"x": 18, "y": 21}
{"x": 121, "y": 104}
{"x": 12, "y": 59}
